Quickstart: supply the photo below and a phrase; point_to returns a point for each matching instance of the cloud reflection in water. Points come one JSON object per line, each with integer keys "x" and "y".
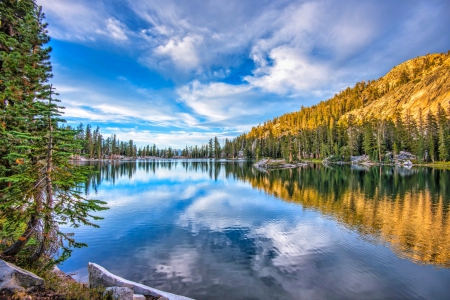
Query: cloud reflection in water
{"x": 228, "y": 234}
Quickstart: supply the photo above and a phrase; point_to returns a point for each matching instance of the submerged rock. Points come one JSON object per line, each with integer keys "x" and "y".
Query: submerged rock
{"x": 13, "y": 278}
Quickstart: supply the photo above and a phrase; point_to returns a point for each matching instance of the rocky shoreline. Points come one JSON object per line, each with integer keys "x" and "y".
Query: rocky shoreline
{"x": 123, "y": 288}
{"x": 404, "y": 159}
{"x": 150, "y": 158}
{"x": 268, "y": 164}
{"x": 15, "y": 280}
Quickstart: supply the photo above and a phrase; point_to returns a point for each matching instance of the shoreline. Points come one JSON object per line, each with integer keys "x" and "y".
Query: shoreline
{"x": 374, "y": 164}
{"x": 156, "y": 158}
{"x": 438, "y": 164}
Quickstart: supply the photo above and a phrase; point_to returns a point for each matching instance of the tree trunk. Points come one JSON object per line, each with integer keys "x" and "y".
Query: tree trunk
{"x": 23, "y": 239}
{"x": 48, "y": 189}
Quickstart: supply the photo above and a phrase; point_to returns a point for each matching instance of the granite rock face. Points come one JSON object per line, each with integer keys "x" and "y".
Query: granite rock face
{"x": 14, "y": 278}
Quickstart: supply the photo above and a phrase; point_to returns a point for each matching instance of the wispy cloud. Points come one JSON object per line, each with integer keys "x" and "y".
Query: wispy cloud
{"x": 231, "y": 64}
{"x": 289, "y": 71}
{"x": 174, "y": 138}
{"x": 215, "y": 101}
{"x": 82, "y": 21}
{"x": 115, "y": 29}
{"x": 90, "y": 105}
{"x": 182, "y": 52}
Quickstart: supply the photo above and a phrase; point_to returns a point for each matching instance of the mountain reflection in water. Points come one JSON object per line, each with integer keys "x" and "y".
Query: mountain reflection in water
{"x": 407, "y": 208}
{"x": 224, "y": 230}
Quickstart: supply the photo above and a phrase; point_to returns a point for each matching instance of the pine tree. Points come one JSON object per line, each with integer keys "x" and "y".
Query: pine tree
{"x": 443, "y": 134}
{"x": 211, "y": 149}
{"x": 421, "y": 138}
{"x": 38, "y": 184}
{"x": 368, "y": 142}
{"x": 217, "y": 149}
{"x": 432, "y": 136}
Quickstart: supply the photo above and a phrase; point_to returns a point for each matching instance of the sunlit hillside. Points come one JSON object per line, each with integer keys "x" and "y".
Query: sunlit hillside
{"x": 418, "y": 84}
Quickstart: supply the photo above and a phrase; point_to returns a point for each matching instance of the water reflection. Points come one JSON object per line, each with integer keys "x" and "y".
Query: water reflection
{"x": 407, "y": 208}
{"x": 228, "y": 231}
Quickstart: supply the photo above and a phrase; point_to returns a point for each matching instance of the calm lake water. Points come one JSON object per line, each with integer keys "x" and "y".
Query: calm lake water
{"x": 212, "y": 230}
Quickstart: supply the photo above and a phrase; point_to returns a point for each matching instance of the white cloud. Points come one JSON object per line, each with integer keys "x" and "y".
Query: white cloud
{"x": 79, "y": 20}
{"x": 116, "y": 29}
{"x": 82, "y": 102}
{"x": 290, "y": 71}
{"x": 175, "y": 138}
{"x": 284, "y": 60}
{"x": 299, "y": 50}
{"x": 183, "y": 52}
{"x": 215, "y": 101}
{"x": 282, "y": 39}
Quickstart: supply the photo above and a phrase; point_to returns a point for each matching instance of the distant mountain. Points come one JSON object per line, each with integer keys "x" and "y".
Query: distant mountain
{"x": 408, "y": 109}
{"x": 418, "y": 84}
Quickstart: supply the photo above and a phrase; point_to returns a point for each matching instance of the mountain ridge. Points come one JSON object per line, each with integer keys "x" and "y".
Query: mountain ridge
{"x": 428, "y": 86}
{"x": 421, "y": 83}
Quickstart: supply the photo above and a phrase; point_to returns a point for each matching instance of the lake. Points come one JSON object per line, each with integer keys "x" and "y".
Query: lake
{"x": 225, "y": 230}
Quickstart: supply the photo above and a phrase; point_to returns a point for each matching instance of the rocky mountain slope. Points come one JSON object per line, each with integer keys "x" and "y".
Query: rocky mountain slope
{"x": 418, "y": 84}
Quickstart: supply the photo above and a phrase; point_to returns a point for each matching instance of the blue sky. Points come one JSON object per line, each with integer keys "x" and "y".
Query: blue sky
{"x": 177, "y": 73}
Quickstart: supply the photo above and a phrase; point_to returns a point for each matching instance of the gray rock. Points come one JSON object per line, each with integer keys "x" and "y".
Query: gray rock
{"x": 139, "y": 297}
{"x": 363, "y": 159}
{"x": 262, "y": 163}
{"x": 14, "y": 278}
{"x": 119, "y": 293}
{"x": 99, "y": 276}
{"x": 408, "y": 163}
{"x": 403, "y": 155}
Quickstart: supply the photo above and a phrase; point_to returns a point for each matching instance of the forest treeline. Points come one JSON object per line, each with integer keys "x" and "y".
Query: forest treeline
{"x": 94, "y": 145}
{"x": 428, "y": 138}
{"x": 337, "y": 127}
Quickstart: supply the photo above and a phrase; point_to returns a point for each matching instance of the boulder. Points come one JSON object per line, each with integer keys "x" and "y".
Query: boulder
{"x": 407, "y": 164}
{"x": 14, "y": 278}
{"x": 119, "y": 293}
{"x": 403, "y": 155}
{"x": 62, "y": 275}
{"x": 262, "y": 163}
{"x": 363, "y": 159}
{"x": 404, "y": 159}
{"x": 139, "y": 297}
{"x": 99, "y": 276}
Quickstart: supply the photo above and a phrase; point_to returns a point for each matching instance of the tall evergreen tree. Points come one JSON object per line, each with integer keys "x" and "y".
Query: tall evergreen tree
{"x": 38, "y": 185}
{"x": 443, "y": 134}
